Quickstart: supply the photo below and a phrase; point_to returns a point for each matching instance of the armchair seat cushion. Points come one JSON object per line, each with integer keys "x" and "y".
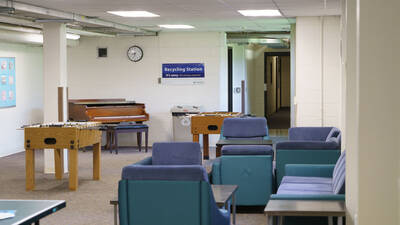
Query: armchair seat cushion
{"x": 305, "y": 188}
{"x": 306, "y": 180}
{"x": 247, "y": 150}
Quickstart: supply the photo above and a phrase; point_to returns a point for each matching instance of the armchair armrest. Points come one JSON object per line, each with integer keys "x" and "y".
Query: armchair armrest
{"x": 309, "y": 170}
{"x": 145, "y": 161}
{"x": 308, "y": 145}
{"x": 332, "y": 197}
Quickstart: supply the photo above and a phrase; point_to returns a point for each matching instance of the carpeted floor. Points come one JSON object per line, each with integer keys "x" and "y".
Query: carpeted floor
{"x": 89, "y": 205}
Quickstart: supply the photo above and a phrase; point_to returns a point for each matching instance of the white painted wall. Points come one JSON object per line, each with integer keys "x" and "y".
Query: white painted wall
{"x": 239, "y": 59}
{"x": 29, "y": 84}
{"x": 117, "y": 77}
{"x": 318, "y": 71}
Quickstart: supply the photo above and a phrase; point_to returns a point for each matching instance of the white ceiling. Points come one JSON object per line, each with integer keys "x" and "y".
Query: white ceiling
{"x": 205, "y": 15}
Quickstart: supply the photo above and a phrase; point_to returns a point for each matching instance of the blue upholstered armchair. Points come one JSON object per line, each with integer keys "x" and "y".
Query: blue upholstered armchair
{"x": 165, "y": 195}
{"x": 244, "y": 128}
{"x": 249, "y": 167}
{"x": 174, "y": 153}
{"x": 312, "y": 182}
{"x": 308, "y": 145}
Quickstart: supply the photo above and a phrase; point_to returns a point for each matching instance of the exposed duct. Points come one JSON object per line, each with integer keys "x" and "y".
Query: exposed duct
{"x": 28, "y": 26}
{"x": 46, "y": 15}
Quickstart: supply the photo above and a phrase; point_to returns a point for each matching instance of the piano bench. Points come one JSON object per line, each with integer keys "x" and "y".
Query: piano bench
{"x": 112, "y": 135}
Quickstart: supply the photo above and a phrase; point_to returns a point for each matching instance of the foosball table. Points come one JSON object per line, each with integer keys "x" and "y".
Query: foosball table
{"x": 208, "y": 123}
{"x": 59, "y": 136}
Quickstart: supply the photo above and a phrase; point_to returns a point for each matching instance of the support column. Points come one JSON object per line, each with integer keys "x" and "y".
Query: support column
{"x": 372, "y": 135}
{"x": 55, "y": 76}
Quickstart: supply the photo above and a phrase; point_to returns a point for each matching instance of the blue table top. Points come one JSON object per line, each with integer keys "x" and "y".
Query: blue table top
{"x": 29, "y": 211}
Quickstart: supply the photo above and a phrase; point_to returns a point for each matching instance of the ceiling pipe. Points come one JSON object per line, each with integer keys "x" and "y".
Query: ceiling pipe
{"x": 27, "y": 38}
{"x": 71, "y": 16}
{"x": 26, "y": 24}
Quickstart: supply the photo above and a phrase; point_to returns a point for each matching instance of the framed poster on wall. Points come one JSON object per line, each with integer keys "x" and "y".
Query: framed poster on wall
{"x": 7, "y": 82}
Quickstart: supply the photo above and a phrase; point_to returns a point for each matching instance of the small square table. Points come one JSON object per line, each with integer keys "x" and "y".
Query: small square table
{"x": 29, "y": 211}
{"x": 222, "y": 195}
{"x": 283, "y": 208}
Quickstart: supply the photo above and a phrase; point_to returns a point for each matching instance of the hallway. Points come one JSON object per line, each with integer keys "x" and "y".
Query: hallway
{"x": 280, "y": 119}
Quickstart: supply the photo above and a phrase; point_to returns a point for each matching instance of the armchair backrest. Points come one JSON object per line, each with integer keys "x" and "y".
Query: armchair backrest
{"x": 178, "y": 195}
{"x": 249, "y": 167}
{"x": 310, "y": 133}
{"x": 176, "y": 153}
{"x": 248, "y": 127}
{"x": 339, "y": 175}
{"x": 247, "y": 150}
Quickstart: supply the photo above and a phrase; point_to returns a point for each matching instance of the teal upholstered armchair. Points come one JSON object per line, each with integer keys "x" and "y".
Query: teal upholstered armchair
{"x": 165, "y": 195}
{"x": 308, "y": 145}
{"x": 171, "y": 187}
{"x": 249, "y": 167}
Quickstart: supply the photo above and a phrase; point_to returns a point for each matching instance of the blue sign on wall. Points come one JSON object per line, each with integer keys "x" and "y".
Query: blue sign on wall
{"x": 183, "y": 70}
{"x": 7, "y": 82}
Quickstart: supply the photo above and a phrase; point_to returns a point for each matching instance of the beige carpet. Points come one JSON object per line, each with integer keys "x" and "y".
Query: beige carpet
{"x": 89, "y": 205}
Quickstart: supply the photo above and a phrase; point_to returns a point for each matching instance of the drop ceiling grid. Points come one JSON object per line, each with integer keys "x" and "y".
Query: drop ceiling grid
{"x": 205, "y": 15}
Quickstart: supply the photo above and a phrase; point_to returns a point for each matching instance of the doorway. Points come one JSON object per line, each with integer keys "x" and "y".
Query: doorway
{"x": 230, "y": 79}
{"x": 277, "y": 89}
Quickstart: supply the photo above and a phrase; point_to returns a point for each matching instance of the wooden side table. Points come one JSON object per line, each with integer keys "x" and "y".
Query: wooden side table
{"x": 283, "y": 208}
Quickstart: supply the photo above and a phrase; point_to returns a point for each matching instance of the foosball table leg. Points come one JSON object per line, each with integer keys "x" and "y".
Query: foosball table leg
{"x": 59, "y": 163}
{"x": 73, "y": 168}
{"x": 196, "y": 138}
{"x": 30, "y": 169}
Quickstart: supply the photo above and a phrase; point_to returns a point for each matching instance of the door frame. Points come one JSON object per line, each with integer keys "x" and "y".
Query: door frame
{"x": 230, "y": 79}
{"x": 266, "y": 67}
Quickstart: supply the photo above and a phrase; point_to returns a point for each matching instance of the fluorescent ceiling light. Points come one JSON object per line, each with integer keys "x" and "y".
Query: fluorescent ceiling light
{"x": 73, "y": 36}
{"x": 176, "y": 26}
{"x": 133, "y": 13}
{"x": 265, "y": 12}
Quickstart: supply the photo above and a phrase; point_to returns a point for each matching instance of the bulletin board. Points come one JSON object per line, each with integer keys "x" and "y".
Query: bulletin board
{"x": 7, "y": 82}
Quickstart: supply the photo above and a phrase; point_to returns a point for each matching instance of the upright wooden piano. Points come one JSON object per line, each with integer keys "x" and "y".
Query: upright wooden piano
{"x": 106, "y": 110}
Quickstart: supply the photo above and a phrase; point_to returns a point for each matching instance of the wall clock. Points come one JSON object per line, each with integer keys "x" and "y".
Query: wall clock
{"x": 135, "y": 53}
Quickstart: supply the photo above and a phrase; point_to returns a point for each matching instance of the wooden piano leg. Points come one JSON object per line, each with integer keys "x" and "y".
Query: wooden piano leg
{"x": 206, "y": 151}
{"x": 109, "y": 139}
{"x": 96, "y": 161}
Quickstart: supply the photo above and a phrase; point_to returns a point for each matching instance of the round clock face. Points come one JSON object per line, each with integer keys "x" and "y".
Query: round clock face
{"x": 135, "y": 53}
